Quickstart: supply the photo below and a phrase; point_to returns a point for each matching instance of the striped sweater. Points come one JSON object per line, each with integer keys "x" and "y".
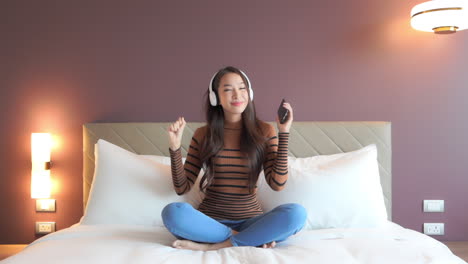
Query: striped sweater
{"x": 228, "y": 196}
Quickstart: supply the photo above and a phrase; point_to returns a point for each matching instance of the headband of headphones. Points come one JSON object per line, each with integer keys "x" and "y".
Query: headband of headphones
{"x": 212, "y": 95}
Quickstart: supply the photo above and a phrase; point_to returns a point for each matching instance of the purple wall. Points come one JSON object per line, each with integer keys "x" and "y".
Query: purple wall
{"x": 65, "y": 64}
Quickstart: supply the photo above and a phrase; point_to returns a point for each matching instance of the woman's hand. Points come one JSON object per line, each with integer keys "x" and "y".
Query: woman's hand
{"x": 287, "y": 125}
{"x": 175, "y": 131}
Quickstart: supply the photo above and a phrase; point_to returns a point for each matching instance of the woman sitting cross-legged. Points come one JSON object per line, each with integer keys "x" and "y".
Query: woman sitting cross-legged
{"x": 233, "y": 148}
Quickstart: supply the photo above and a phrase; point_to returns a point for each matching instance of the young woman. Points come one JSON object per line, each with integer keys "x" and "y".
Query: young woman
{"x": 233, "y": 148}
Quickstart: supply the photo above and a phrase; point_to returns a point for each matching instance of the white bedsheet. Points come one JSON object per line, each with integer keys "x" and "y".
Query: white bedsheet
{"x": 137, "y": 244}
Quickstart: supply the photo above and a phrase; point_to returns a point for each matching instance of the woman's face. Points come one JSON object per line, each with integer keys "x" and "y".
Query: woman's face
{"x": 233, "y": 94}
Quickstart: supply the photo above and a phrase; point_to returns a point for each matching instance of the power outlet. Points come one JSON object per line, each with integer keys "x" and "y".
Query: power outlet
{"x": 434, "y": 229}
{"x": 45, "y": 227}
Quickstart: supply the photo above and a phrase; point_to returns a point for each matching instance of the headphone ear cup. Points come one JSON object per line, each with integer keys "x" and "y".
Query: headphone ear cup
{"x": 249, "y": 84}
{"x": 213, "y": 100}
{"x": 212, "y": 94}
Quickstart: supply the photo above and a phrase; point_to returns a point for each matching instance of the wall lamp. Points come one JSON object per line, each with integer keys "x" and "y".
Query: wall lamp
{"x": 41, "y": 184}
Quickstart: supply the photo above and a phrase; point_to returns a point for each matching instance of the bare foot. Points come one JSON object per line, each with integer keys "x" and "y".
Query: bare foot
{"x": 269, "y": 245}
{"x": 187, "y": 244}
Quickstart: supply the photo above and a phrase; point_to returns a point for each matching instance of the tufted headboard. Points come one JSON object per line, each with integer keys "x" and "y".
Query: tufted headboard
{"x": 306, "y": 139}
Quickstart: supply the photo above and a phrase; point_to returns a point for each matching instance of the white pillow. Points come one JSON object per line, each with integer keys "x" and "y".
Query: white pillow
{"x": 338, "y": 191}
{"x": 194, "y": 196}
{"x": 131, "y": 189}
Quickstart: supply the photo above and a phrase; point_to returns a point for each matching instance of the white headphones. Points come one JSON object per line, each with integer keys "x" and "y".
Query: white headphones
{"x": 212, "y": 95}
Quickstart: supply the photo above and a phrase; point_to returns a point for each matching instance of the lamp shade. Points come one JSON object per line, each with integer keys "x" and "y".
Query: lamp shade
{"x": 41, "y": 144}
{"x": 40, "y": 184}
{"x": 440, "y": 16}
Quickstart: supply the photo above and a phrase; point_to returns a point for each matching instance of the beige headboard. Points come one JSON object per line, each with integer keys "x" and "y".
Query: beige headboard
{"x": 306, "y": 139}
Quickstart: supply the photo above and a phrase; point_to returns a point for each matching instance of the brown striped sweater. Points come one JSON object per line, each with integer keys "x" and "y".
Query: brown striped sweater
{"x": 228, "y": 196}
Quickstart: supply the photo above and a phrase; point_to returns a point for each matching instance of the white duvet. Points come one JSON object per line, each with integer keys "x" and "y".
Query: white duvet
{"x": 137, "y": 244}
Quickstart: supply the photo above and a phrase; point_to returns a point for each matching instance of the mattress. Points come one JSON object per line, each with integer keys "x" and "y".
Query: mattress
{"x": 117, "y": 244}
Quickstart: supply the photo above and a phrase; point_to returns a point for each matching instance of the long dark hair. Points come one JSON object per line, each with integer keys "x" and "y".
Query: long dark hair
{"x": 252, "y": 142}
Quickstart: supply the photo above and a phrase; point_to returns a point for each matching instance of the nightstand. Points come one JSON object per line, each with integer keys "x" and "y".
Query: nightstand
{"x": 459, "y": 248}
{"x": 8, "y": 250}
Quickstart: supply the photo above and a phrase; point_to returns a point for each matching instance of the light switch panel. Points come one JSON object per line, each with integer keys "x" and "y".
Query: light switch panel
{"x": 45, "y": 205}
{"x": 431, "y": 206}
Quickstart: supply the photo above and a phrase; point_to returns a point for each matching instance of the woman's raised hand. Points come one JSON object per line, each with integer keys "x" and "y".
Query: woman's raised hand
{"x": 287, "y": 125}
{"x": 175, "y": 131}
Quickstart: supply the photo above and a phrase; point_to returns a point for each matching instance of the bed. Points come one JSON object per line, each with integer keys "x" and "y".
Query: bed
{"x": 340, "y": 171}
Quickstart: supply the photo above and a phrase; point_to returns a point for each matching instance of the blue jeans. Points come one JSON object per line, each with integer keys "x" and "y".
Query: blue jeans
{"x": 185, "y": 222}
